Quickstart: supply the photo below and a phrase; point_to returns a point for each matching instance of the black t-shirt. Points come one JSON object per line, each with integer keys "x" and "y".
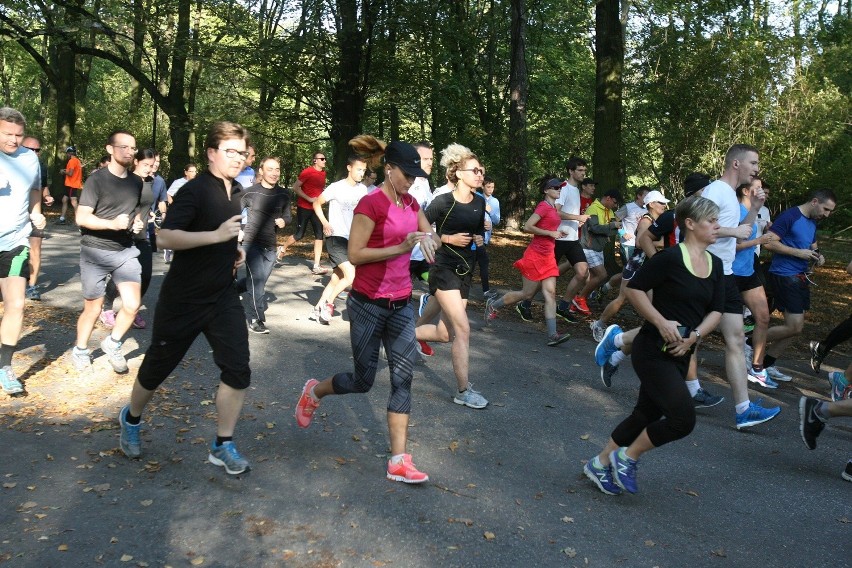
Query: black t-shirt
{"x": 678, "y": 294}
{"x": 264, "y": 206}
{"x": 201, "y": 275}
{"x": 451, "y": 217}
{"x": 664, "y": 228}
{"x": 146, "y": 199}
{"x": 110, "y": 196}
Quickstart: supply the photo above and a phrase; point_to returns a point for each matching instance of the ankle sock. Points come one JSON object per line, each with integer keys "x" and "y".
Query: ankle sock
{"x": 222, "y": 439}
{"x": 616, "y": 358}
{"x": 742, "y": 407}
{"x": 619, "y": 340}
{"x": 821, "y": 411}
{"x": 130, "y": 419}
{"x": 694, "y": 386}
{"x": 397, "y": 459}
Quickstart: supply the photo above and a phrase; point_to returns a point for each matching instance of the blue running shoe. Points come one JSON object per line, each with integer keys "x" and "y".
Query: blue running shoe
{"x": 228, "y": 457}
{"x": 624, "y": 470}
{"x": 424, "y": 299}
{"x": 607, "y": 347}
{"x": 602, "y": 477}
{"x": 130, "y": 442}
{"x": 756, "y": 414}
{"x": 840, "y": 388}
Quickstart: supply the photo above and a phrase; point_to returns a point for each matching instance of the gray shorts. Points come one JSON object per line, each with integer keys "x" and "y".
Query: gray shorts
{"x": 96, "y": 264}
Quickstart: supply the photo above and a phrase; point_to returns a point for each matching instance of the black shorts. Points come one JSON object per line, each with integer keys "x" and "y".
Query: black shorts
{"x": 570, "y": 250}
{"x": 338, "y": 250}
{"x": 792, "y": 293}
{"x": 733, "y": 298}
{"x": 418, "y": 268}
{"x": 73, "y": 192}
{"x": 303, "y": 217}
{"x": 442, "y": 278}
{"x": 746, "y": 283}
{"x": 15, "y": 262}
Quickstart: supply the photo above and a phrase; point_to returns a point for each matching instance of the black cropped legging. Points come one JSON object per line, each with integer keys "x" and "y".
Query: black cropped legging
{"x": 665, "y": 407}
{"x": 842, "y": 332}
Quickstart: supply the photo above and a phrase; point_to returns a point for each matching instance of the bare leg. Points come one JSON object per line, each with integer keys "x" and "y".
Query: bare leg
{"x": 229, "y": 404}
{"x": 13, "y": 289}
{"x": 130, "y": 293}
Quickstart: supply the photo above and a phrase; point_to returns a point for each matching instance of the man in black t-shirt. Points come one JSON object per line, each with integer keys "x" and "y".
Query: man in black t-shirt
{"x": 106, "y": 215}
{"x": 199, "y": 296}
{"x": 265, "y": 206}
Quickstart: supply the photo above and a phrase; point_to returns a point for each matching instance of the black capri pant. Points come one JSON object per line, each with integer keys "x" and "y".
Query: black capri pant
{"x": 664, "y": 406}
{"x": 370, "y": 325}
{"x": 303, "y": 217}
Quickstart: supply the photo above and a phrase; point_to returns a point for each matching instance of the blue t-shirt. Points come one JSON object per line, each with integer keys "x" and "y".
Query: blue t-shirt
{"x": 744, "y": 259}
{"x": 795, "y": 231}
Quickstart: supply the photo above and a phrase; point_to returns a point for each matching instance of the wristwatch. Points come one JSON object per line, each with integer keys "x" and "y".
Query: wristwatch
{"x": 697, "y": 335}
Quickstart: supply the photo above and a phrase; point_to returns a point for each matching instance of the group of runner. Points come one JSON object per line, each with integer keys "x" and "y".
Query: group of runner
{"x": 378, "y": 239}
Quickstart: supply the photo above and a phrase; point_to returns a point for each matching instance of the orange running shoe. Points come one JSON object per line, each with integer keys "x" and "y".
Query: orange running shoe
{"x": 307, "y": 405}
{"x": 406, "y": 471}
{"x": 581, "y": 305}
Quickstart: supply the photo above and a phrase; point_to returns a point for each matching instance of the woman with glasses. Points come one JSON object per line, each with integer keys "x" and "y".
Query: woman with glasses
{"x": 459, "y": 218}
{"x": 538, "y": 265}
{"x": 386, "y": 225}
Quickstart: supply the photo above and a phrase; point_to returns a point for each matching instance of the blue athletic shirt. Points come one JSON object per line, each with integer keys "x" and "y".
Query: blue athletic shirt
{"x": 744, "y": 259}
{"x": 795, "y": 231}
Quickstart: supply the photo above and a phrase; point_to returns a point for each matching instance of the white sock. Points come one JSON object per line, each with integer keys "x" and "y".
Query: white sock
{"x": 742, "y": 407}
{"x": 398, "y": 458}
{"x": 313, "y": 396}
{"x": 619, "y": 340}
{"x": 616, "y": 358}
{"x": 693, "y": 386}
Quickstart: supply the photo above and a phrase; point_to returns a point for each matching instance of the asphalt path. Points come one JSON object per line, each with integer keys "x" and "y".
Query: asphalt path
{"x": 506, "y": 485}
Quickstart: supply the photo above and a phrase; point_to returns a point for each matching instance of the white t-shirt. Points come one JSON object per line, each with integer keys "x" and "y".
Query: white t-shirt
{"x": 19, "y": 174}
{"x": 763, "y": 220}
{"x": 421, "y": 191}
{"x": 342, "y": 199}
{"x": 569, "y": 202}
{"x": 176, "y": 185}
{"x": 632, "y": 214}
{"x": 725, "y": 197}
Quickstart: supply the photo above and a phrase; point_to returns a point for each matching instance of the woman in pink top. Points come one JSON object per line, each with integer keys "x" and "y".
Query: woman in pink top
{"x": 538, "y": 265}
{"x": 386, "y": 226}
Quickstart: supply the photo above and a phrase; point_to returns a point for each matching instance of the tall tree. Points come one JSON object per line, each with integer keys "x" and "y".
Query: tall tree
{"x": 607, "y": 157}
{"x": 518, "y": 170}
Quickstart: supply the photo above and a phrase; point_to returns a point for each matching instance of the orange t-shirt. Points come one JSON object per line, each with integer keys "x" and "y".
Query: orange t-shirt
{"x": 75, "y": 180}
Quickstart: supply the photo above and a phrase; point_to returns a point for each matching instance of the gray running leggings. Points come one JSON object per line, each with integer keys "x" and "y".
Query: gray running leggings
{"x": 370, "y": 325}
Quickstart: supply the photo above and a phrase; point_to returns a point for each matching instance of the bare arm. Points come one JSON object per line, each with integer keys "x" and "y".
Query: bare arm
{"x": 326, "y": 228}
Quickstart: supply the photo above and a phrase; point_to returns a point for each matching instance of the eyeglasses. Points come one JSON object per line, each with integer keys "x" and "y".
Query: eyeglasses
{"x": 124, "y": 148}
{"x": 476, "y": 171}
{"x": 36, "y": 150}
{"x": 231, "y": 153}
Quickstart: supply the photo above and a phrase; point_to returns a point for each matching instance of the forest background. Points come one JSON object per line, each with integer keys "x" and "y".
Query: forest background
{"x": 647, "y": 90}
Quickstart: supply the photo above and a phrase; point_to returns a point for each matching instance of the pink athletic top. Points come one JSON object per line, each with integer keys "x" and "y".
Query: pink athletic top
{"x": 549, "y": 222}
{"x": 388, "y": 278}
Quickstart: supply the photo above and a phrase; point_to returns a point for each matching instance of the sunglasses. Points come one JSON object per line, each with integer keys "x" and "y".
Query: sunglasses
{"x": 36, "y": 150}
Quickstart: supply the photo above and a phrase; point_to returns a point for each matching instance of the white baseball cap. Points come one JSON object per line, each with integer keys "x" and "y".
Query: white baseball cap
{"x": 654, "y": 197}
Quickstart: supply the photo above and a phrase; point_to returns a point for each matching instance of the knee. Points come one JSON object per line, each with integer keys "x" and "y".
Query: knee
{"x": 761, "y": 317}
{"x": 581, "y": 272}
{"x": 796, "y": 326}
{"x": 238, "y": 378}
{"x": 14, "y": 305}
{"x": 131, "y": 305}
{"x": 683, "y": 422}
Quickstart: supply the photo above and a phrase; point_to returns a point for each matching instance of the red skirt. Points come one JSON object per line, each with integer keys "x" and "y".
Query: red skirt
{"x": 537, "y": 266}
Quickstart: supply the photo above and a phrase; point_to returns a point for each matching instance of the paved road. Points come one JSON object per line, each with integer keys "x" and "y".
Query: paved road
{"x": 506, "y": 485}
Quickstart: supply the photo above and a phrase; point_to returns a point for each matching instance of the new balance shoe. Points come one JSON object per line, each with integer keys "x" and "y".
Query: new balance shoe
{"x": 624, "y": 470}
{"x": 424, "y": 299}
{"x": 114, "y": 355}
{"x": 525, "y": 311}
{"x": 754, "y": 415}
{"x": 424, "y": 348}
{"x": 761, "y": 378}
{"x": 602, "y": 477}
{"x": 306, "y": 406}
{"x": 107, "y": 318}
{"x": 598, "y": 330}
{"x": 129, "y": 440}
{"x": 490, "y": 312}
{"x": 9, "y": 382}
{"x": 777, "y": 375}
{"x": 406, "y": 471}
{"x": 257, "y": 326}
{"x": 816, "y": 356}
{"x": 582, "y": 306}
{"x": 557, "y": 339}
{"x": 608, "y": 371}
{"x": 840, "y": 388}
{"x": 470, "y": 398}
{"x": 228, "y": 457}
{"x": 810, "y": 423}
{"x": 606, "y": 346}
{"x": 704, "y": 399}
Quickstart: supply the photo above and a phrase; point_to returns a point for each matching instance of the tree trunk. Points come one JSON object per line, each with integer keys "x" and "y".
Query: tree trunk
{"x": 517, "y": 171}
{"x": 607, "y": 158}
{"x": 347, "y": 104}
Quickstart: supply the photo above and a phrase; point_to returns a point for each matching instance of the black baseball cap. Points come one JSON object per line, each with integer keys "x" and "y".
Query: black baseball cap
{"x": 405, "y": 157}
{"x": 70, "y": 150}
{"x": 613, "y": 193}
{"x": 694, "y": 182}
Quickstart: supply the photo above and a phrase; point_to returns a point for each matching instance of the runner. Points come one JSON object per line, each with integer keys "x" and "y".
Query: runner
{"x": 198, "y": 296}
{"x": 688, "y": 298}
{"x": 73, "y": 172}
{"x": 538, "y": 265}
{"x": 386, "y": 226}
{"x": 37, "y": 235}
{"x": 308, "y": 187}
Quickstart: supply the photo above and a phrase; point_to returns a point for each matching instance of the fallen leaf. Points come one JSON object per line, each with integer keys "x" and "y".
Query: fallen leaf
{"x": 467, "y": 522}
{"x": 126, "y": 558}
{"x": 146, "y": 503}
{"x": 489, "y": 535}
{"x": 650, "y": 543}
{"x": 720, "y": 553}
{"x": 569, "y": 552}
{"x": 206, "y": 403}
{"x": 270, "y": 425}
{"x": 585, "y": 437}
{"x": 198, "y": 561}
{"x": 62, "y": 548}
{"x": 454, "y": 446}
{"x": 29, "y": 505}
{"x": 40, "y": 515}
{"x": 567, "y": 519}
{"x": 690, "y": 492}
{"x": 102, "y": 487}
{"x": 9, "y": 485}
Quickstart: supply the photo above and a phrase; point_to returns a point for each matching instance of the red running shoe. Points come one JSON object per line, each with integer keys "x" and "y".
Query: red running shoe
{"x": 406, "y": 471}
{"x": 307, "y": 405}
{"x": 581, "y": 305}
{"x": 424, "y": 348}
